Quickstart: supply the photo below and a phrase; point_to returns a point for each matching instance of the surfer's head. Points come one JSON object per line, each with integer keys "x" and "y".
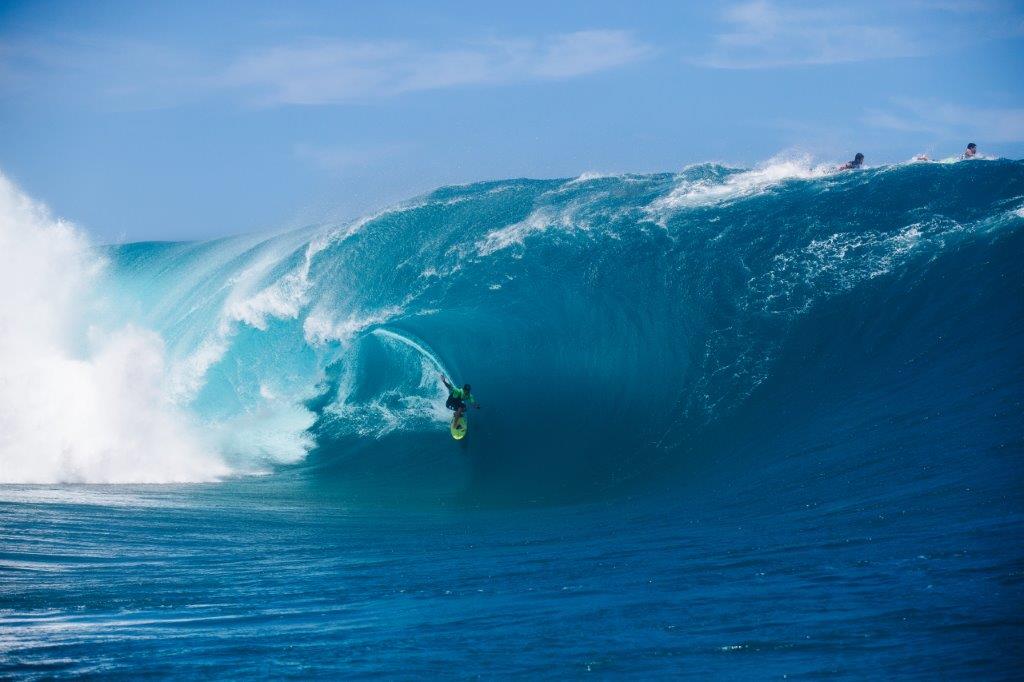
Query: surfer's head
{"x": 972, "y": 146}
{"x": 859, "y": 158}
{"x": 465, "y": 387}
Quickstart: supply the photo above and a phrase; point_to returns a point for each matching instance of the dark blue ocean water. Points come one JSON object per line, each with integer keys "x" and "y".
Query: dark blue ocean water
{"x": 735, "y": 424}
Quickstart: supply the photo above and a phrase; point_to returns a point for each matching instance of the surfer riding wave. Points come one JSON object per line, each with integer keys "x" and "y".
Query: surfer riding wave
{"x": 458, "y": 398}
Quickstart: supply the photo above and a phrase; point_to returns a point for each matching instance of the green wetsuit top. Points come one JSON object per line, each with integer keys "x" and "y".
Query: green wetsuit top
{"x": 459, "y": 394}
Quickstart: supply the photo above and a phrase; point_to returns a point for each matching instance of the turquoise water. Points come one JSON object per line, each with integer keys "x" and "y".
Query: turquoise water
{"x": 740, "y": 423}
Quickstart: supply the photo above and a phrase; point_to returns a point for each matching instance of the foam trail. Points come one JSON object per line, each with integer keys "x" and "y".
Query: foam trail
{"x": 79, "y": 403}
{"x": 387, "y": 333}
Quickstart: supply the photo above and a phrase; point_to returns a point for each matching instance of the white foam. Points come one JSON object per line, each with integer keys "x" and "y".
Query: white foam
{"x": 188, "y": 374}
{"x": 738, "y": 359}
{"x": 274, "y": 432}
{"x": 540, "y": 220}
{"x": 274, "y": 429}
{"x": 321, "y": 327}
{"x": 691, "y": 193}
{"x": 587, "y": 176}
{"x": 405, "y": 407}
{"x": 927, "y": 159}
{"x": 285, "y": 298}
{"x": 840, "y": 262}
{"x": 504, "y": 237}
{"x": 104, "y": 496}
{"x": 79, "y": 404}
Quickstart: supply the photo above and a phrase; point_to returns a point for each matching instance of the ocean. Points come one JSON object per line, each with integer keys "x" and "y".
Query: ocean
{"x": 735, "y": 423}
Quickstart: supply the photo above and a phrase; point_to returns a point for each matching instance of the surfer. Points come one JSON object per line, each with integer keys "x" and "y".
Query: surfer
{"x": 857, "y": 162}
{"x": 969, "y": 153}
{"x": 458, "y": 397}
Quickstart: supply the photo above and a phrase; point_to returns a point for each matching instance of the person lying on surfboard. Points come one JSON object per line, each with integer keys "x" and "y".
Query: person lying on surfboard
{"x": 458, "y": 397}
{"x": 858, "y": 162}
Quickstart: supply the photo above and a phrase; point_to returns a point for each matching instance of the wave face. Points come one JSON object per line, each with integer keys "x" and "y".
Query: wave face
{"x": 618, "y": 331}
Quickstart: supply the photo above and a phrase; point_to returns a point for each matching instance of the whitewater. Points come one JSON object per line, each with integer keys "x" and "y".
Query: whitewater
{"x": 735, "y": 421}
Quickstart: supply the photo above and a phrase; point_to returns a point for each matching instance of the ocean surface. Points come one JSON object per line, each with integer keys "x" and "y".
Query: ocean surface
{"x": 736, "y": 423}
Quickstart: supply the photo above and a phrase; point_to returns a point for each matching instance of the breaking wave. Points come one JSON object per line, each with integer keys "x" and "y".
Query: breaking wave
{"x": 617, "y": 329}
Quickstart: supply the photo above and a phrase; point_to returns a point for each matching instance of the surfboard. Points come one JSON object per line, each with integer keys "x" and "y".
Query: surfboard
{"x": 459, "y": 431}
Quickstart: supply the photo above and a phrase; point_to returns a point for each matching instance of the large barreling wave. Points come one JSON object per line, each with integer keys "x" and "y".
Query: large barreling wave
{"x": 618, "y": 331}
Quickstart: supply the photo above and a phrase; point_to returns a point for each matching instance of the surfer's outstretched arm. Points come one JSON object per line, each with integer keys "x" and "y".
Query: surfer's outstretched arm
{"x": 447, "y": 384}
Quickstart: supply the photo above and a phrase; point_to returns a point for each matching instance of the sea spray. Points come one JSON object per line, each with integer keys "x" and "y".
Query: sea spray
{"x": 80, "y": 402}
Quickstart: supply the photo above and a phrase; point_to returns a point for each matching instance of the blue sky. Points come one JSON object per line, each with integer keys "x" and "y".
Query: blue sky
{"x": 188, "y": 120}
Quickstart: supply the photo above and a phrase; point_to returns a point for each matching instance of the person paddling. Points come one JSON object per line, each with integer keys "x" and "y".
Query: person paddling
{"x": 969, "y": 153}
{"x": 857, "y": 162}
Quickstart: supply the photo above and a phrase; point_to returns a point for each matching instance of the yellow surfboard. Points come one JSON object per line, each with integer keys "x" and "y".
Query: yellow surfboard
{"x": 459, "y": 430}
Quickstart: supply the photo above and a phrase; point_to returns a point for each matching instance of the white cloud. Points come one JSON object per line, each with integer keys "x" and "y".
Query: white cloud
{"x": 775, "y": 33}
{"x": 340, "y": 160}
{"x": 331, "y": 72}
{"x": 764, "y": 34}
{"x": 585, "y": 52}
{"x": 130, "y": 74}
{"x": 949, "y": 120}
